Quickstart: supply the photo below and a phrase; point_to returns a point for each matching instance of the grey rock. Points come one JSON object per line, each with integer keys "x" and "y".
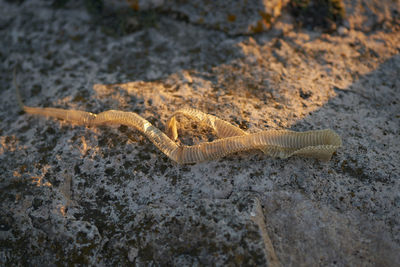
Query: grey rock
{"x": 232, "y": 17}
{"x": 100, "y": 196}
{"x": 311, "y": 233}
{"x": 373, "y": 14}
{"x": 201, "y": 232}
{"x": 239, "y": 17}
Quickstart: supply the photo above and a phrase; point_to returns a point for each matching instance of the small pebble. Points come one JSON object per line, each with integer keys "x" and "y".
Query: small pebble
{"x": 342, "y": 30}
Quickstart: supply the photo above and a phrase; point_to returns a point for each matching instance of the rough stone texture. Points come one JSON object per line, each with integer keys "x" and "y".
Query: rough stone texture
{"x": 326, "y": 14}
{"x": 106, "y": 196}
{"x": 232, "y": 17}
{"x": 370, "y": 15}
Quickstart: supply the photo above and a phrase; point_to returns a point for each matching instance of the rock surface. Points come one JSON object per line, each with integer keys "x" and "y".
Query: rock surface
{"x": 232, "y": 17}
{"x": 107, "y": 196}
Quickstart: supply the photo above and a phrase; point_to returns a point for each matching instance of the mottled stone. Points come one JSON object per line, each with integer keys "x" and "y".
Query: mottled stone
{"x": 201, "y": 232}
{"x": 232, "y": 17}
{"x": 310, "y": 233}
{"x": 326, "y": 14}
{"x": 106, "y": 196}
{"x": 369, "y": 15}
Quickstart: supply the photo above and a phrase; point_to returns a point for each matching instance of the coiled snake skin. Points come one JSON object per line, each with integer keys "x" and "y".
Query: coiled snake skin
{"x": 318, "y": 144}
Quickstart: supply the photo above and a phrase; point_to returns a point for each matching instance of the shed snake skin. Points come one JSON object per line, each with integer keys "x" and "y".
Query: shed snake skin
{"x": 320, "y": 144}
